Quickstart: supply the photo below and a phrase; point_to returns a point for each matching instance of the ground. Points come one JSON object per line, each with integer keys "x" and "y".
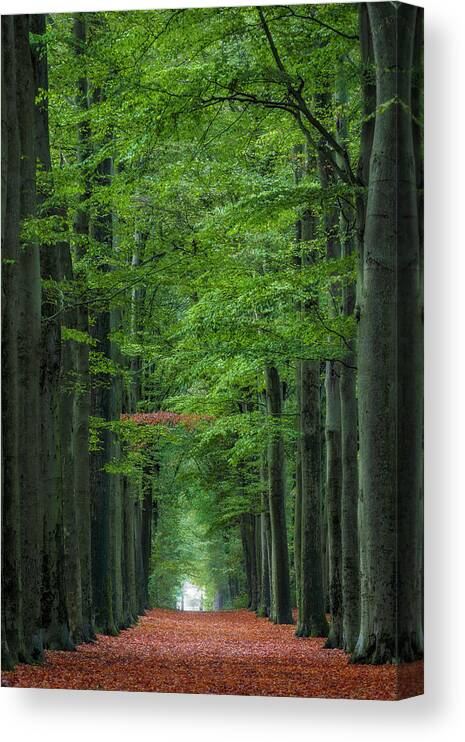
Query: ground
{"x": 228, "y": 653}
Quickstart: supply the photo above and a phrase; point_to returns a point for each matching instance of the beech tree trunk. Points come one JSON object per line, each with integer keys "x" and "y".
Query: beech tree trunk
{"x": 102, "y": 588}
{"x": 389, "y": 357}
{"x": 67, "y": 435}
{"x": 333, "y": 501}
{"x": 116, "y": 483}
{"x": 265, "y": 593}
{"x": 130, "y": 487}
{"x": 311, "y": 618}
{"x": 350, "y": 567}
{"x": 146, "y": 535}
{"x": 281, "y": 610}
{"x": 299, "y": 151}
{"x": 53, "y": 597}
{"x": 258, "y": 559}
{"x": 12, "y": 631}
{"x": 298, "y": 496}
{"x": 82, "y": 402}
{"x": 29, "y": 357}
{"x": 264, "y": 607}
{"x": 417, "y": 117}
{"x": 250, "y": 558}
{"x": 333, "y": 434}
{"x": 101, "y": 407}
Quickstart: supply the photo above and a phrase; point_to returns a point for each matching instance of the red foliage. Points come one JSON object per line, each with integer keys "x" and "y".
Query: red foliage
{"x": 163, "y": 417}
{"x": 228, "y": 653}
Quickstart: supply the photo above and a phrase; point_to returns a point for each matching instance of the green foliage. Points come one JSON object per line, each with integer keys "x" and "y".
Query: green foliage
{"x": 204, "y": 273}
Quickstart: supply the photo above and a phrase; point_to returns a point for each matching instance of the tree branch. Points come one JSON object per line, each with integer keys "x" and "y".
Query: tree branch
{"x": 301, "y": 106}
{"x": 314, "y": 19}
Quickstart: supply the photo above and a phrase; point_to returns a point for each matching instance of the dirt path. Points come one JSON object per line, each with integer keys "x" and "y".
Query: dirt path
{"x": 231, "y": 653}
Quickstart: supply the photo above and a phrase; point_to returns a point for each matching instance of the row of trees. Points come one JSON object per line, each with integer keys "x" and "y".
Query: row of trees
{"x": 227, "y": 224}
{"x": 76, "y": 537}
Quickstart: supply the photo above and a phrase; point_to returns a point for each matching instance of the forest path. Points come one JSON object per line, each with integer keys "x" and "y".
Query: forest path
{"x": 228, "y": 652}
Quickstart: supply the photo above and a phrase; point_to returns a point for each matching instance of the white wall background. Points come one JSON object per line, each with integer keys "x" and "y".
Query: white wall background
{"x": 77, "y": 715}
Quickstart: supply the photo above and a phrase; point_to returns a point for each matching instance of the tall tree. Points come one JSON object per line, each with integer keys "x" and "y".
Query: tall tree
{"x": 334, "y": 471}
{"x": 81, "y": 411}
{"x": 101, "y": 407}
{"x": 53, "y": 598}
{"x": 389, "y": 363}
{"x": 281, "y": 609}
{"x": 311, "y": 617}
{"x": 29, "y": 354}
{"x": 12, "y": 632}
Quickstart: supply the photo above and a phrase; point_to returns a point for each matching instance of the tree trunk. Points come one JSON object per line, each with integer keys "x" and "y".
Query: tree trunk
{"x": 350, "y": 566}
{"x": 70, "y": 515}
{"x": 333, "y": 500}
{"x": 299, "y": 151}
{"x": 53, "y": 596}
{"x": 29, "y": 356}
{"x": 258, "y": 561}
{"x": 265, "y": 538}
{"x": 146, "y": 536}
{"x": 349, "y": 506}
{"x": 102, "y": 588}
{"x": 333, "y": 432}
{"x": 298, "y": 496}
{"x": 101, "y": 407}
{"x": 129, "y": 574}
{"x": 265, "y": 596}
{"x": 12, "y": 640}
{"x": 116, "y": 483}
{"x": 417, "y": 114}
{"x": 249, "y": 550}
{"x": 281, "y": 595}
{"x": 312, "y": 619}
{"x": 82, "y": 394}
{"x": 389, "y": 359}
{"x": 368, "y": 88}
{"x": 139, "y": 560}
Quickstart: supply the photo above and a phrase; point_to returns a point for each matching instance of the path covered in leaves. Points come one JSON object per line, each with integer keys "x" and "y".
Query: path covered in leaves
{"x": 230, "y": 652}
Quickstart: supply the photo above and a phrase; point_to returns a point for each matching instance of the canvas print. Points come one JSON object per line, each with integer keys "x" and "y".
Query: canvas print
{"x": 212, "y": 350}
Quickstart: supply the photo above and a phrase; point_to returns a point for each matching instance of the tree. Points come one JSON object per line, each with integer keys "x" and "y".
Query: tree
{"x": 281, "y": 609}
{"x": 388, "y": 358}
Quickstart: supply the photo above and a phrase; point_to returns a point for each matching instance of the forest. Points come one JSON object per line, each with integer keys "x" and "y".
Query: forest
{"x": 212, "y": 356}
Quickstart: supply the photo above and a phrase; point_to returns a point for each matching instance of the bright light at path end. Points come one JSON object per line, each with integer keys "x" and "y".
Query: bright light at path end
{"x": 192, "y": 598}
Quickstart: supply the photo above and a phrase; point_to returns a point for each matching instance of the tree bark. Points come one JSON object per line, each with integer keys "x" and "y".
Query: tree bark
{"x": 146, "y": 536}
{"x": 12, "y": 638}
{"x": 311, "y": 618}
{"x": 264, "y": 607}
{"x": 53, "y": 596}
{"x": 281, "y": 596}
{"x": 417, "y": 118}
{"x": 333, "y": 501}
{"x": 389, "y": 358}
{"x": 102, "y": 588}
{"x": 250, "y": 561}
{"x": 29, "y": 356}
{"x": 67, "y": 437}
{"x": 82, "y": 403}
{"x": 298, "y": 496}
{"x": 258, "y": 560}
{"x": 116, "y": 483}
{"x": 101, "y": 407}
{"x": 350, "y": 566}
